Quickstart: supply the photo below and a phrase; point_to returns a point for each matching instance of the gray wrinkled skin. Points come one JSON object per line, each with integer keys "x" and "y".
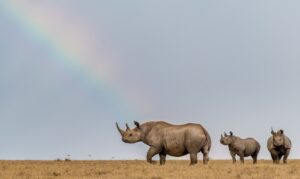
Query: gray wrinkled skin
{"x": 168, "y": 139}
{"x": 279, "y": 145}
{"x": 241, "y": 147}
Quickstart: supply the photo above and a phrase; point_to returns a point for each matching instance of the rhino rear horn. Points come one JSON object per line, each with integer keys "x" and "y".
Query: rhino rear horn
{"x": 127, "y": 127}
{"x": 272, "y": 131}
{"x": 120, "y": 130}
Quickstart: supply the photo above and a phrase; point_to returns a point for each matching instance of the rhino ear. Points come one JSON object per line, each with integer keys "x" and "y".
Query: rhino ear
{"x": 231, "y": 134}
{"x": 137, "y": 124}
{"x": 281, "y": 131}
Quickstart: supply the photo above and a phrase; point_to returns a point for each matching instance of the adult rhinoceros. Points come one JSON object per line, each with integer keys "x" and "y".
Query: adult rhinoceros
{"x": 168, "y": 139}
{"x": 279, "y": 145}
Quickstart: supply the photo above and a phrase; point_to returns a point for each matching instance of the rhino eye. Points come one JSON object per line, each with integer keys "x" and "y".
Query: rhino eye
{"x": 130, "y": 135}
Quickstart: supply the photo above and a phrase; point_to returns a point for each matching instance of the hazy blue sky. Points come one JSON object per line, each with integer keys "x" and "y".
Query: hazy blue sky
{"x": 229, "y": 65}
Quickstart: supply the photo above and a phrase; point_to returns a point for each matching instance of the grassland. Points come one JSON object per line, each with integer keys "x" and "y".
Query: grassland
{"x": 141, "y": 169}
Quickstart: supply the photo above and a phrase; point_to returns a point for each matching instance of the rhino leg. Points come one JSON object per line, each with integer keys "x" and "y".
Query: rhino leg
{"x": 276, "y": 159}
{"x": 205, "y": 152}
{"x": 241, "y": 154}
{"x": 279, "y": 157}
{"x": 254, "y": 157}
{"x": 162, "y": 158}
{"x": 233, "y": 156}
{"x": 275, "y": 156}
{"x": 151, "y": 152}
{"x": 193, "y": 157}
{"x": 286, "y": 155}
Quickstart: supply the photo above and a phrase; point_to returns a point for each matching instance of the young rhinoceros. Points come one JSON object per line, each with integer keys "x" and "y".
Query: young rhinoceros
{"x": 167, "y": 139}
{"x": 241, "y": 147}
{"x": 279, "y": 145}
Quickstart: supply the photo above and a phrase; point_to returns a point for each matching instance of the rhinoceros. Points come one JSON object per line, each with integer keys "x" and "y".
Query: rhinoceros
{"x": 168, "y": 139}
{"x": 279, "y": 145}
{"x": 241, "y": 147}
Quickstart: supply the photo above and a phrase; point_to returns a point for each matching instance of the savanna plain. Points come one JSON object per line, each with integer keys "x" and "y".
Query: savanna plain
{"x": 61, "y": 169}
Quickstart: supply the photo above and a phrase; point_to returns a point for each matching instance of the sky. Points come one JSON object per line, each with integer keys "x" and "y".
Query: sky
{"x": 70, "y": 69}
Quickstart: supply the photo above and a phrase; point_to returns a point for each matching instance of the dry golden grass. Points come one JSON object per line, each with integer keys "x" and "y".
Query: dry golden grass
{"x": 141, "y": 169}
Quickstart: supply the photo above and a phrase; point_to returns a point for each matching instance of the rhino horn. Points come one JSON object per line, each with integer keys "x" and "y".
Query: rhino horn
{"x": 225, "y": 134}
{"x": 120, "y": 130}
{"x": 127, "y": 127}
{"x": 231, "y": 133}
{"x": 272, "y": 131}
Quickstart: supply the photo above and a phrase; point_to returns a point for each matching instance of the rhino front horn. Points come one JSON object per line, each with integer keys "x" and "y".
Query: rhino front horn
{"x": 120, "y": 130}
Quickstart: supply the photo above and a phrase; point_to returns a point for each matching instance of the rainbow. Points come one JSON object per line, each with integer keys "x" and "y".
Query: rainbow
{"x": 47, "y": 25}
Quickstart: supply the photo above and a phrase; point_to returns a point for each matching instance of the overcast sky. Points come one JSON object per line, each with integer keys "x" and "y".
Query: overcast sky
{"x": 229, "y": 65}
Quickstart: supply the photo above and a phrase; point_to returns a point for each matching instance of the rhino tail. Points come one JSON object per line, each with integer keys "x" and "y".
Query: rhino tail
{"x": 208, "y": 139}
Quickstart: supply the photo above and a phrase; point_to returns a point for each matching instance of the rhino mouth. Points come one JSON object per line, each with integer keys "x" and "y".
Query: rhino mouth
{"x": 128, "y": 141}
{"x": 277, "y": 145}
{"x": 124, "y": 140}
{"x": 222, "y": 142}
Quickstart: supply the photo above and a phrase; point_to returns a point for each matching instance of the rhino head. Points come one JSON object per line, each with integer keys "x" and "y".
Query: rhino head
{"x": 278, "y": 138}
{"x": 226, "y": 139}
{"x": 130, "y": 135}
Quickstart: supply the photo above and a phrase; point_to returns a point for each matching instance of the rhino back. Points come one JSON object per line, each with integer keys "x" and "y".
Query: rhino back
{"x": 248, "y": 146}
{"x": 153, "y": 132}
{"x": 175, "y": 140}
